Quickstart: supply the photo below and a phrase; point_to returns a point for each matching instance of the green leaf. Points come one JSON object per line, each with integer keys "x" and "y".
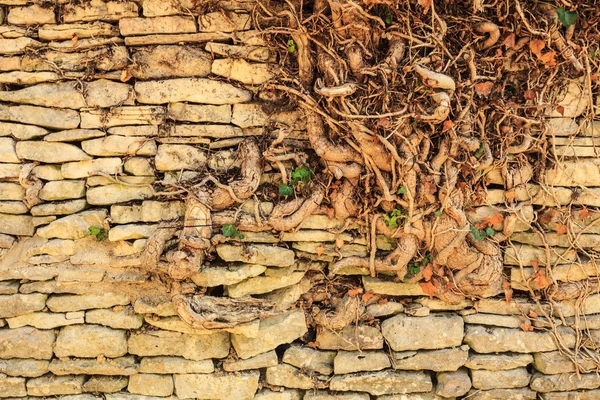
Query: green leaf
{"x": 427, "y": 259}
{"x": 99, "y": 233}
{"x": 391, "y": 221}
{"x": 479, "y": 151}
{"x": 302, "y": 174}
{"x": 388, "y": 19}
{"x": 477, "y": 234}
{"x": 229, "y": 230}
{"x": 285, "y": 190}
{"x": 566, "y": 17}
{"x": 291, "y": 45}
{"x": 402, "y": 190}
{"x": 438, "y": 213}
{"x": 490, "y": 232}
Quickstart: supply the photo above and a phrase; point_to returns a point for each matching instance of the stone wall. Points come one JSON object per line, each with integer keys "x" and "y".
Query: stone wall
{"x": 110, "y": 108}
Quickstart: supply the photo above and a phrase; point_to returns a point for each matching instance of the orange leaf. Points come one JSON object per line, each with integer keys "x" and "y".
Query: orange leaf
{"x": 428, "y": 272}
{"x": 540, "y": 280}
{"x": 339, "y": 243}
{"x": 428, "y": 288}
{"x": 355, "y": 292}
{"x": 584, "y": 213}
{"x": 535, "y": 264}
{"x": 74, "y": 40}
{"x": 425, "y": 4}
{"x": 560, "y": 110}
{"x": 508, "y": 292}
{"x": 484, "y": 88}
{"x": 330, "y": 212}
{"x": 494, "y": 219}
{"x": 510, "y": 40}
{"x": 382, "y": 301}
{"x": 548, "y": 58}
{"x": 314, "y": 344}
{"x": 320, "y": 249}
{"x": 561, "y": 229}
{"x": 367, "y": 296}
{"x": 510, "y": 195}
{"x": 447, "y": 125}
{"x": 545, "y": 218}
{"x": 125, "y": 75}
{"x": 533, "y": 314}
{"x": 529, "y": 95}
{"x": 526, "y": 326}
{"x": 537, "y": 46}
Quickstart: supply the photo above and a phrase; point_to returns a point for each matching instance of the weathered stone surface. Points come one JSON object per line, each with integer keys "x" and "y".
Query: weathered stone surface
{"x": 157, "y": 8}
{"x": 508, "y": 394}
{"x": 287, "y": 376}
{"x": 55, "y": 385}
{"x": 90, "y": 341}
{"x": 124, "y": 318}
{"x": 62, "y": 190}
{"x": 191, "y": 347}
{"x": 224, "y": 22}
{"x": 114, "y": 145}
{"x": 257, "y": 254}
{"x": 151, "y": 385}
{"x": 264, "y": 360}
{"x": 263, "y": 284}
{"x": 563, "y": 382}
{"x": 159, "y": 304}
{"x": 46, "y": 117}
{"x": 73, "y": 135}
{"x": 383, "y": 382}
{"x": 138, "y": 166}
{"x": 498, "y": 362}
{"x": 13, "y": 207}
{"x": 26, "y": 343}
{"x": 200, "y": 113}
{"x": 19, "y": 304}
{"x": 7, "y": 150}
{"x": 62, "y": 208}
{"x": 18, "y": 45}
{"x": 157, "y": 63}
{"x": 310, "y": 359}
{"x": 243, "y": 71}
{"x": 573, "y": 99}
{"x": 195, "y": 90}
{"x": 83, "y": 169}
{"x": 9, "y": 171}
{"x": 267, "y": 394}
{"x": 351, "y": 338}
{"x": 148, "y": 211}
{"x": 515, "y": 307}
{"x": 61, "y": 95}
{"x": 175, "y": 365}
{"x": 273, "y": 331}
{"x": 42, "y": 320}
{"x": 251, "y": 53}
{"x": 557, "y": 363}
{"x": 217, "y": 386}
{"x": 148, "y": 26}
{"x": 506, "y": 321}
{"x": 50, "y": 152}
{"x": 354, "y": 361}
{"x": 174, "y": 157}
{"x": 20, "y": 131}
{"x": 105, "y": 384}
{"x": 570, "y": 308}
{"x": 73, "y": 226}
{"x": 347, "y": 396}
{"x": 505, "y": 379}
{"x": 100, "y": 10}
{"x": 433, "y": 332}
{"x": 117, "y": 193}
{"x": 67, "y": 31}
{"x": 196, "y": 132}
{"x": 11, "y": 386}
{"x": 117, "y": 366}
{"x": 11, "y": 191}
{"x": 26, "y": 368}
{"x": 492, "y": 340}
{"x": 434, "y": 360}
{"x": 31, "y": 15}
{"x": 8, "y": 287}
{"x": 122, "y": 116}
{"x": 249, "y": 329}
{"x": 453, "y": 384}
{"x": 20, "y": 225}
{"x": 66, "y": 303}
{"x": 227, "y": 274}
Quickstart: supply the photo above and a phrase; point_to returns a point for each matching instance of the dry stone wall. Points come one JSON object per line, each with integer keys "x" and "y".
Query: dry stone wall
{"x": 108, "y": 108}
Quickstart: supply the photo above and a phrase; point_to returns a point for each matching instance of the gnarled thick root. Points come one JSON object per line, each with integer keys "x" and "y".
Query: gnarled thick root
{"x": 572, "y": 290}
{"x": 343, "y": 200}
{"x": 371, "y": 146}
{"x": 324, "y": 147}
{"x": 347, "y": 310}
{"x": 279, "y": 222}
{"x": 492, "y": 30}
{"x": 435, "y": 79}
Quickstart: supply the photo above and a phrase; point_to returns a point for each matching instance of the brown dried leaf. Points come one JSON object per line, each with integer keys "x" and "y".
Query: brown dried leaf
{"x": 549, "y": 58}
{"x": 74, "y": 40}
{"x": 355, "y": 292}
{"x": 427, "y": 272}
{"x": 428, "y": 288}
{"x": 484, "y": 88}
{"x": 367, "y": 296}
{"x": 561, "y": 229}
{"x": 584, "y": 213}
{"x": 448, "y": 124}
{"x": 508, "y": 292}
{"x": 526, "y": 326}
{"x": 510, "y": 40}
{"x": 425, "y": 4}
{"x": 320, "y": 249}
{"x": 541, "y": 280}
{"x": 493, "y": 220}
{"x": 537, "y": 46}
{"x": 510, "y": 195}
{"x": 529, "y": 95}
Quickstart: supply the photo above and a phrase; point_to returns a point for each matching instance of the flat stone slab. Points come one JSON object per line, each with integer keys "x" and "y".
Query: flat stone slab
{"x": 194, "y": 90}
{"x": 435, "y": 331}
{"x": 434, "y": 360}
{"x": 494, "y": 340}
{"x": 240, "y": 386}
{"x": 383, "y": 382}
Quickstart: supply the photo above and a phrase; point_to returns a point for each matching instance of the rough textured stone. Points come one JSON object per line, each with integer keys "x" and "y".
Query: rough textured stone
{"x": 68, "y": 303}
{"x": 174, "y": 157}
{"x": 227, "y": 274}
{"x": 191, "y": 347}
{"x": 290, "y": 377}
{"x": 13, "y": 207}
{"x": 224, "y": 22}
{"x": 383, "y": 382}
{"x": 19, "y": 304}
{"x": 505, "y": 379}
{"x": 555, "y": 362}
{"x": 492, "y": 340}
{"x": 434, "y": 360}
{"x": 249, "y": 329}
{"x": 148, "y": 26}
{"x": 11, "y": 191}
{"x": 26, "y": 343}
{"x": 267, "y": 394}
{"x": 26, "y": 368}
{"x": 157, "y": 63}
{"x": 105, "y": 384}
{"x": 21, "y": 225}
{"x": 175, "y": 365}
{"x": 122, "y": 116}
{"x": 264, "y": 360}
{"x": 200, "y": 113}
{"x": 42, "y": 320}
{"x": 503, "y": 394}
{"x": 563, "y": 382}
{"x": 124, "y": 318}
{"x": 243, "y": 71}
{"x": 453, "y": 384}
{"x": 62, "y": 208}
{"x": 392, "y": 288}
{"x": 117, "y": 366}
{"x": 343, "y": 396}
{"x": 159, "y": 304}
{"x": 31, "y": 15}
{"x": 7, "y": 150}
{"x": 50, "y": 152}
{"x": 100, "y": 10}
{"x": 310, "y": 359}
{"x": 55, "y": 385}
{"x": 273, "y": 331}
{"x": 138, "y": 166}
{"x": 67, "y": 31}
{"x": 498, "y": 362}
{"x": 263, "y": 284}
{"x": 90, "y": 341}
{"x": 195, "y": 90}
{"x": 240, "y": 386}
{"x": 151, "y": 385}
{"x": 20, "y": 131}
{"x": 12, "y": 386}
{"x": 433, "y": 332}
{"x": 354, "y": 361}
{"x": 257, "y": 254}
{"x": 351, "y": 338}
{"x": 148, "y": 211}
{"x": 83, "y": 169}
{"x": 131, "y": 231}
{"x": 117, "y": 193}
{"x": 114, "y": 145}
{"x": 62, "y": 190}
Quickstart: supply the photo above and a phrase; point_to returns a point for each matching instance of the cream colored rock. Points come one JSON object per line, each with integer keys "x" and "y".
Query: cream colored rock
{"x": 61, "y": 95}
{"x": 504, "y": 379}
{"x": 73, "y": 226}
{"x": 290, "y": 377}
{"x": 67, "y": 303}
{"x": 175, "y": 365}
{"x": 351, "y": 338}
{"x": 521, "y": 254}
{"x": 191, "y": 347}
{"x": 90, "y": 341}
{"x": 227, "y": 274}
{"x": 310, "y": 359}
{"x": 249, "y": 329}
{"x": 435, "y": 360}
{"x": 140, "y": 130}
{"x": 263, "y": 284}
{"x": 13, "y": 207}
{"x": 492, "y": 340}
{"x": 62, "y": 190}
{"x": 564, "y": 382}
{"x": 498, "y": 362}
{"x": 42, "y": 320}
{"x": 174, "y": 157}
{"x": 50, "y": 152}
{"x": 117, "y": 193}
{"x": 159, "y": 304}
{"x": 106, "y": 93}
{"x": 200, "y": 113}
{"x": 105, "y": 384}
{"x": 21, "y": 132}
{"x": 257, "y": 254}
{"x": 20, "y": 225}
{"x": 571, "y": 100}
{"x": 99, "y": 10}
{"x": 117, "y": 366}
{"x": 7, "y": 150}
{"x": 195, "y": 90}
{"x": 19, "y": 304}
{"x": 55, "y": 385}
{"x": 149, "y": 26}
{"x": 48, "y": 172}
{"x": 31, "y": 15}
{"x": 224, "y": 22}
{"x": 347, "y": 362}
{"x": 432, "y": 332}
{"x": 10, "y": 171}
{"x": 18, "y": 45}
{"x": 263, "y": 360}
{"x": 251, "y": 53}
{"x": 383, "y": 382}
{"x": 354, "y": 396}
{"x": 106, "y": 59}
{"x": 84, "y": 169}
{"x": 26, "y": 368}
{"x": 453, "y": 384}
{"x": 114, "y": 145}
{"x": 158, "y": 8}
{"x": 131, "y": 231}
{"x": 554, "y": 362}
{"x": 240, "y": 386}
{"x": 12, "y": 386}
{"x": 121, "y": 116}
{"x": 138, "y": 166}
{"x": 26, "y": 342}
{"x": 170, "y": 62}
{"x": 45, "y": 117}
{"x": 11, "y": 191}
{"x": 151, "y": 385}
{"x": 81, "y": 31}
{"x": 62, "y": 208}
{"x": 73, "y": 135}
{"x": 243, "y": 71}
{"x": 148, "y": 211}
{"x": 118, "y": 318}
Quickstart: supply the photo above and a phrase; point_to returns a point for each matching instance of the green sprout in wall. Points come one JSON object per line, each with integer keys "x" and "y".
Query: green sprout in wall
{"x": 300, "y": 175}
{"x": 99, "y": 233}
{"x": 231, "y": 231}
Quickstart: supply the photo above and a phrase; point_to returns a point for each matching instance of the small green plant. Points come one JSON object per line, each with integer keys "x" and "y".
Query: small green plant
{"x": 291, "y": 45}
{"x": 480, "y": 234}
{"x": 438, "y": 213}
{"x": 393, "y": 218}
{"x": 415, "y": 267}
{"x": 402, "y": 190}
{"x": 479, "y": 151}
{"x": 231, "y": 231}
{"x": 300, "y": 175}
{"x": 389, "y": 18}
{"x": 566, "y": 17}
{"x": 99, "y": 233}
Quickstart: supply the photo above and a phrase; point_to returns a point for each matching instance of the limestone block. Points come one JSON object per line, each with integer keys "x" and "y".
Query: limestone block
{"x": 252, "y": 53}
{"x": 61, "y": 95}
{"x": 11, "y": 386}
{"x": 110, "y": 58}
{"x": 7, "y": 150}
{"x": 148, "y": 211}
{"x": 569, "y": 308}
{"x": 62, "y": 208}
{"x": 20, "y": 225}
{"x": 453, "y": 384}
{"x": 263, "y": 360}
{"x": 351, "y": 338}
{"x": 73, "y": 226}
{"x": 433, "y": 332}
{"x": 19, "y": 304}
{"x": 226, "y": 274}
{"x": 287, "y": 394}
{"x": 13, "y": 207}
{"x": 138, "y": 166}
{"x": 434, "y": 360}
{"x": 162, "y": 62}
{"x": 117, "y": 193}
{"x": 347, "y": 396}
{"x": 200, "y": 113}
{"x": 105, "y": 384}
{"x": 26, "y": 368}
{"x": 45, "y": 117}
{"x": 122, "y": 116}
{"x": 20, "y": 131}
{"x": 495, "y": 394}
{"x": 62, "y": 190}
{"x": 18, "y": 45}
{"x": 195, "y": 90}
{"x": 9, "y": 171}
{"x": 571, "y": 100}
{"x": 118, "y": 318}
{"x": 157, "y": 8}
{"x": 504, "y": 379}
{"x": 240, "y": 386}
{"x": 149, "y": 26}
{"x": 257, "y": 254}
{"x": 498, "y": 362}
{"x": 68, "y": 303}
{"x": 224, "y": 22}
{"x": 205, "y": 131}
{"x": 55, "y": 385}
{"x": 263, "y": 284}
{"x": 554, "y": 362}
{"x": 99, "y": 10}
{"x": 114, "y": 145}
{"x": 73, "y": 135}
{"x": 11, "y": 191}
{"x": 90, "y": 341}
{"x": 290, "y": 377}
{"x": 383, "y": 382}
{"x": 26, "y": 78}
{"x": 273, "y": 331}
{"x": 50, "y": 152}
{"x": 83, "y": 169}
{"x": 191, "y": 347}
{"x": 106, "y": 93}
{"x": 308, "y": 359}
{"x": 159, "y": 304}
{"x": 42, "y": 320}
{"x": 174, "y": 157}
{"x": 563, "y": 382}
{"x": 354, "y": 361}
{"x": 243, "y": 71}
{"x": 493, "y": 340}
{"x": 8, "y": 287}
{"x": 175, "y": 365}
{"x": 151, "y": 385}
{"x": 91, "y": 366}
{"x": 81, "y": 31}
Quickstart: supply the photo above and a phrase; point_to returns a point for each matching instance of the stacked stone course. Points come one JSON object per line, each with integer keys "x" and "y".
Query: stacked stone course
{"x": 106, "y": 103}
